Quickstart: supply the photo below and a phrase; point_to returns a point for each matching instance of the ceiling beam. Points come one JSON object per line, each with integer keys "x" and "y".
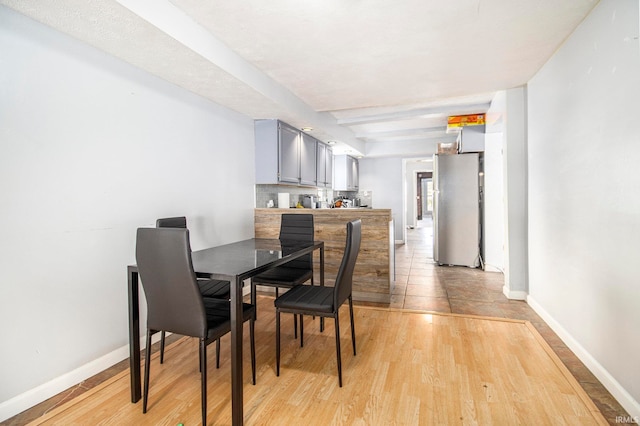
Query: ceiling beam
{"x": 169, "y": 19}
{"x": 422, "y": 148}
{"x": 422, "y": 131}
{"x": 413, "y": 113}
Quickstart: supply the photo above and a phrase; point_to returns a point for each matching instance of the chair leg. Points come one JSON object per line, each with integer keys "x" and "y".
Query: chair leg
{"x": 301, "y": 330}
{"x": 353, "y": 330}
{"x": 300, "y": 325}
{"x": 147, "y": 367}
{"x": 314, "y": 317}
{"x": 252, "y": 328}
{"x": 218, "y": 353}
{"x": 277, "y": 342}
{"x": 295, "y": 326}
{"x": 321, "y": 318}
{"x": 203, "y": 378}
{"x": 339, "y": 358}
{"x": 162, "y": 347}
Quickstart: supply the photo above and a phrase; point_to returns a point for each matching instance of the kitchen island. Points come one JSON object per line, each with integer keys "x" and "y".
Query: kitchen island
{"x": 373, "y": 275}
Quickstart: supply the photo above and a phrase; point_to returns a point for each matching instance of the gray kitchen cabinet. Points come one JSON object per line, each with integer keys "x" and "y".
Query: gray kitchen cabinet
{"x": 355, "y": 174}
{"x": 288, "y": 154}
{"x": 284, "y": 154}
{"x": 307, "y": 159}
{"x": 324, "y": 165}
{"x": 277, "y": 152}
{"x": 346, "y": 173}
{"x": 329, "y": 183}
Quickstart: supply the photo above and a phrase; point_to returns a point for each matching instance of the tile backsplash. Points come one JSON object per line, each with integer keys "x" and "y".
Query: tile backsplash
{"x": 264, "y": 193}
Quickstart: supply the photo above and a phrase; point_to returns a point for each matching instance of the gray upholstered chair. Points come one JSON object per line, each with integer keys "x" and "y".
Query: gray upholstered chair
{"x": 217, "y": 289}
{"x": 172, "y": 222}
{"x": 293, "y": 227}
{"x": 174, "y": 302}
{"x": 324, "y": 301}
{"x": 208, "y": 287}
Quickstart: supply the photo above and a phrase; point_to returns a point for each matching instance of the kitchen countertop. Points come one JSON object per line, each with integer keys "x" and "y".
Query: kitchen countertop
{"x": 374, "y": 271}
{"x": 323, "y": 209}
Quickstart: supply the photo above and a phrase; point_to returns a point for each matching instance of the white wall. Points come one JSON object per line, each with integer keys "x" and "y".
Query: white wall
{"x": 514, "y": 148}
{"x": 493, "y": 219}
{"x": 584, "y": 195}
{"x": 90, "y": 149}
{"x": 384, "y": 177}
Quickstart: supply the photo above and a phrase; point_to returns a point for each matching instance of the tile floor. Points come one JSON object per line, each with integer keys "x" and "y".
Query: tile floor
{"x": 421, "y": 284}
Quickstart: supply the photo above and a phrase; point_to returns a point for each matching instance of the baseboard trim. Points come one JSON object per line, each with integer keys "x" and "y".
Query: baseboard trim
{"x": 491, "y": 268}
{"x": 514, "y": 295}
{"x": 608, "y": 381}
{"x": 35, "y": 396}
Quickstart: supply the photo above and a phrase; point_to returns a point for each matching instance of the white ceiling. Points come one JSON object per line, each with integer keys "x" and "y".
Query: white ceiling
{"x": 379, "y": 77}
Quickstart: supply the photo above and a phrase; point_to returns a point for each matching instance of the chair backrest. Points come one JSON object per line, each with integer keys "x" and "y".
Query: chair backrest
{"x": 344, "y": 279}
{"x": 172, "y": 222}
{"x": 298, "y": 227}
{"x": 174, "y": 303}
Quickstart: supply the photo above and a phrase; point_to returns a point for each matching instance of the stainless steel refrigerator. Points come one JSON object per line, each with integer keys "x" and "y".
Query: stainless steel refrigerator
{"x": 457, "y": 209}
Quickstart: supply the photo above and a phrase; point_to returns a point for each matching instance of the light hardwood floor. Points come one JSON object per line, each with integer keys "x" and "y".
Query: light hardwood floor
{"x": 411, "y": 368}
{"x": 420, "y": 285}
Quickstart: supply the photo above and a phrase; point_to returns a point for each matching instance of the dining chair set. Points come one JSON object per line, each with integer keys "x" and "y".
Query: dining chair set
{"x": 182, "y": 302}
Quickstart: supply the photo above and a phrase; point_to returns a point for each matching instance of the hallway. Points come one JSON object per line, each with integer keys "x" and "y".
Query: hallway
{"x": 421, "y": 284}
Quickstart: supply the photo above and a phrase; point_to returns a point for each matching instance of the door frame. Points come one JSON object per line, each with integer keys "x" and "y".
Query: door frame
{"x": 420, "y": 176}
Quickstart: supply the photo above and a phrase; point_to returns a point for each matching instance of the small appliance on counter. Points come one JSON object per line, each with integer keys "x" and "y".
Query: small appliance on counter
{"x": 283, "y": 200}
{"x": 364, "y": 198}
{"x": 309, "y": 202}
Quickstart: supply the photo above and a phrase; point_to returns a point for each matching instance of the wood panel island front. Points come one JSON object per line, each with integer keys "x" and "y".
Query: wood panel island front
{"x": 373, "y": 276}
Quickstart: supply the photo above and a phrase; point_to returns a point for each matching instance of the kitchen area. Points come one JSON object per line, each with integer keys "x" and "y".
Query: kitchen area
{"x": 297, "y": 173}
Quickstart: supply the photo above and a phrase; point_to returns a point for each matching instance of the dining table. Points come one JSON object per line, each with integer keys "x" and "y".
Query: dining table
{"x": 234, "y": 262}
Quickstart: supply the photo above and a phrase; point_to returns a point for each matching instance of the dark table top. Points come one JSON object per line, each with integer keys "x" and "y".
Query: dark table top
{"x": 248, "y": 257}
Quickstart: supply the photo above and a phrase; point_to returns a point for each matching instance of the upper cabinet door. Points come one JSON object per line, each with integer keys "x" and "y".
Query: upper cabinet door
{"x": 308, "y": 160}
{"x": 329, "y": 168}
{"x": 355, "y": 174}
{"x": 346, "y": 173}
{"x": 289, "y": 154}
{"x": 321, "y": 164}
{"x": 324, "y": 165}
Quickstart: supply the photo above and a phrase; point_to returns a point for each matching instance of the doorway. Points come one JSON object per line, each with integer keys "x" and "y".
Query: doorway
{"x": 424, "y": 195}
